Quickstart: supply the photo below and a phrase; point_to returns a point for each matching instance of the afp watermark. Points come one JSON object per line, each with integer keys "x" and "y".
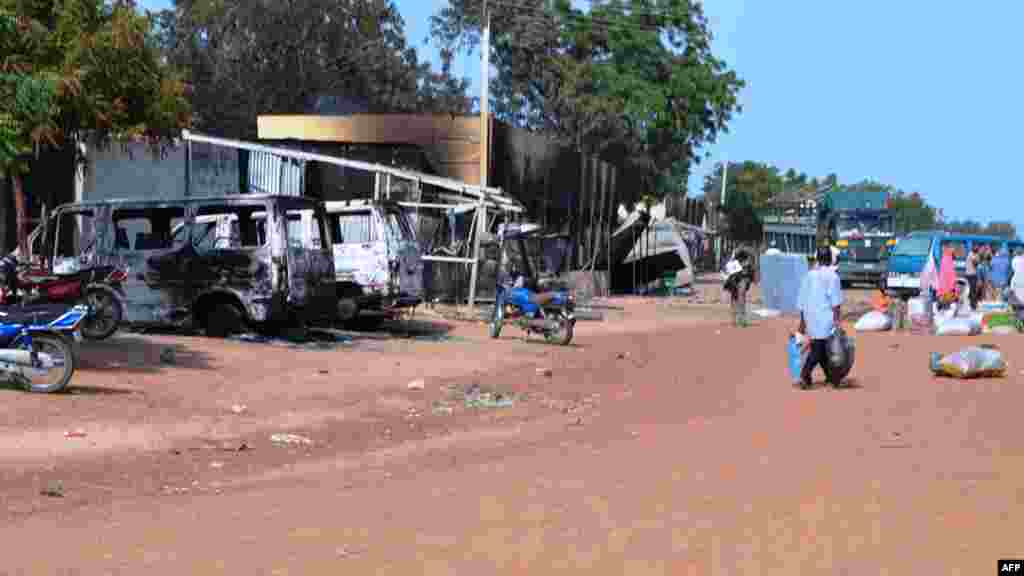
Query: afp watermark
{"x": 1011, "y": 567}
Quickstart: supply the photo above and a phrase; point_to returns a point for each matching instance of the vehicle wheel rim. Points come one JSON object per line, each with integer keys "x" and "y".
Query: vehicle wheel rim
{"x": 102, "y": 315}
{"x": 46, "y": 377}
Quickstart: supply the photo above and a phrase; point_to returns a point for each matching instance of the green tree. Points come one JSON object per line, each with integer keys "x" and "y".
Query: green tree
{"x": 742, "y": 223}
{"x": 912, "y": 212}
{"x": 1004, "y": 229}
{"x": 247, "y": 58}
{"x": 631, "y": 81}
{"x": 760, "y": 182}
{"x": 81, "y": 69}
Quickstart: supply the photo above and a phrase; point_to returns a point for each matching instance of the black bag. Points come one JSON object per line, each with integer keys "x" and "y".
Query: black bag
{"x": 840, "y": 354}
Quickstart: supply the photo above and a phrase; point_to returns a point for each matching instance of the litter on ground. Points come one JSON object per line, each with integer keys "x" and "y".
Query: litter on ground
{"x": 290, "y": 439}
{"x": 970, "y": 362}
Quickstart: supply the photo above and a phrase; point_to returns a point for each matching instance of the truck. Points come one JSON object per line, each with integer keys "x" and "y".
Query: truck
{"x": 862, "y": 225}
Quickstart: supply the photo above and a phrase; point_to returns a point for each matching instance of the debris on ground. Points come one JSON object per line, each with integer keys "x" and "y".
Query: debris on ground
{"x": 477, "y": 397}
{"x": 290, "y": 439}
{"x": 76, "y": 433}
{"x": 54, "y": 490}
{"x": 546, "y": 372}
{"x": 418, "y": 384}
{"x": 216, "y": 464}
{"x": 970, "y": 362}
{"x": 442, "y": 409}
{"x": 168, "y": 355}
{"x": 234, "y": 447}
{"x": 767, "y": 313}
{"x": 239, "y": 408}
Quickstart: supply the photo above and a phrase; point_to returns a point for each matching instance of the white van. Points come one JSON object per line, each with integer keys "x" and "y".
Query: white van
{"x": 377, "y": 258}
{"x": 378, "y": 261}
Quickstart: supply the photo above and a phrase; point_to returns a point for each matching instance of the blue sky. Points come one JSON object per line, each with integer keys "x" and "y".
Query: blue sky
{"x": 912, "y": 94}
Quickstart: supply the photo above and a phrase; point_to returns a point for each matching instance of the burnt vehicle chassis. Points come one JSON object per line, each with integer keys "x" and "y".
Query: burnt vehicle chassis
{"x": 183, "y": 273}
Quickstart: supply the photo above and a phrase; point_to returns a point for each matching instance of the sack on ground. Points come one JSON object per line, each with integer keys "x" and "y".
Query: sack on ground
{"x": 958, "y": 327}
{"x": 796, "y": 355}
{"x": 873, "y": 321}
{"x": 971, "y": 362}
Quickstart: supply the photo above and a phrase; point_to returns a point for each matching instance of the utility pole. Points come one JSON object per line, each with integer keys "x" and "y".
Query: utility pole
{"x": 485, "y": 80}
{"x": 481, "y": 210}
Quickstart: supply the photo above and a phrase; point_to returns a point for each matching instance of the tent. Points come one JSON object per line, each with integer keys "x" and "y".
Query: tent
{"x": 666, "y": 246}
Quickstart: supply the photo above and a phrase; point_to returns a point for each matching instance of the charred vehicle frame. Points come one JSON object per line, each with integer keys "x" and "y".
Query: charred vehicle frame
{"x": 185, "y": 267}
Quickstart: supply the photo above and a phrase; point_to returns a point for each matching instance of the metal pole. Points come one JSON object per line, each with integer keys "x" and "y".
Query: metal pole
{"x": 485, "y": 69}
{"x": 188, "y": 168}
{"x": 481, "y": 224}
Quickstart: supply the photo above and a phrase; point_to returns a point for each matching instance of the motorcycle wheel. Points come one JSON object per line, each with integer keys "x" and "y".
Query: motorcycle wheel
{"x": 496, "y": 321}
{"x": 57, "y": 377}
{"x": 562, "y": 336}
{"x": 106, "y": 316}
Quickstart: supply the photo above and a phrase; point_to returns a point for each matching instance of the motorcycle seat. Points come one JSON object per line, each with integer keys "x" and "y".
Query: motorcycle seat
{"x": 31, "y": 314}
{"x": 542, "y": 298}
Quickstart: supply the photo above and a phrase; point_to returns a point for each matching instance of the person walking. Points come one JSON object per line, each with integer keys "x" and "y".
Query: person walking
{"x": 971, "y": 274}
{"x": 821, "y": 297}
{"x": 737, "y": 282}
{"x": 984, "y": 273}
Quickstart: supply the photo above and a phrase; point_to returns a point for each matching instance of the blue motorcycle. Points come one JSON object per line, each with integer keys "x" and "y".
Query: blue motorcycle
{"x": 521, "y": 298}
{"x": 38, "y": 345}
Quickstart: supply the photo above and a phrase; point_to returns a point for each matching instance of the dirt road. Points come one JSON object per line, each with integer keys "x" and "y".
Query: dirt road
{"x": 659, "y": 444}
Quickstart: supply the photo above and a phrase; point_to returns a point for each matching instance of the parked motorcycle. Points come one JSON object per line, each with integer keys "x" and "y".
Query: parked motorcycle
{"x": 37, "y": 344}
{"x": 550, "y": 312}
{"x": 98, "y": 287}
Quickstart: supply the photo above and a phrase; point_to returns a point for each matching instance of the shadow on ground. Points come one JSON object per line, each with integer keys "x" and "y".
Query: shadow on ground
{"x": 137, "y": 353}
{"x": 414, "y": 329}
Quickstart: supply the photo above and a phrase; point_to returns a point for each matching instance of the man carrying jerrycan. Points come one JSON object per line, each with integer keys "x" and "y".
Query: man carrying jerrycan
{"x": 821, "y": 296}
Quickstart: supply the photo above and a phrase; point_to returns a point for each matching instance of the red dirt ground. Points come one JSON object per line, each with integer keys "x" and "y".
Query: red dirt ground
{"x": 662, "y": 442}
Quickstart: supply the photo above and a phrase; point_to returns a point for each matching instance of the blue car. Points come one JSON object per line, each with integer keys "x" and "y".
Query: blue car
{"x": 908, "y": 258}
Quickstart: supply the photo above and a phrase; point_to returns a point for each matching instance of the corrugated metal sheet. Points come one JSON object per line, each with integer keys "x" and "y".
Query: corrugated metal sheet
{"x": 272, "y": 174}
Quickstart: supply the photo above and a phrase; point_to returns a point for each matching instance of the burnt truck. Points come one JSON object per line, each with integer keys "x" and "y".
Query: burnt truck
{"x": 218, "y": 263}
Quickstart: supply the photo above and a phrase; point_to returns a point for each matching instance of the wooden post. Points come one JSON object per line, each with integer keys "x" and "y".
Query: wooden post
{"x": 21, "y": 212}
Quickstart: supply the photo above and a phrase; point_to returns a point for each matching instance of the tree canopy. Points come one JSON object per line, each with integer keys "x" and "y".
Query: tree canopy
{"x": 252, "y": 57}
{"x": 634, "y": 80}
{"x": 80, "y": 68}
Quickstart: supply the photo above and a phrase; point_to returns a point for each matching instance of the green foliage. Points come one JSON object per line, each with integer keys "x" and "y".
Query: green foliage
{"x": 78, "y": 68}
{"x": 760, "y": 182}
{"x": 1003, "y": 229}
{"x": 635, "y": 80}
{"x": 247, "y": 58}
{"x": 742, "y": 223}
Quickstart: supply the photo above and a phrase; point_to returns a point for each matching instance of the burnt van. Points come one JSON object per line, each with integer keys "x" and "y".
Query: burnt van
{"x": 220, "y": 263}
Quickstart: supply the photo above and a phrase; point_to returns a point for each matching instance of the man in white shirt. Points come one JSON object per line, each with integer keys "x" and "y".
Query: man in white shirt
{"x": 821, "y": 295}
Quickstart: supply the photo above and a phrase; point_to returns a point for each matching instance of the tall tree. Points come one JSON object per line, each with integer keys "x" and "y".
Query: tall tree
{"x": 634, "y": 80}
{"x": 742, "y": 224}
{"x": 759, "y": 181}
{"x": 81, "y": 69}
{"x": 251, "y": 57}
{"x": 912, "y": 212}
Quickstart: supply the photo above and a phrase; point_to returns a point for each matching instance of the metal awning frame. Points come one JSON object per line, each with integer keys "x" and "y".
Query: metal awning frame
{"x": 460, "y": 196}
